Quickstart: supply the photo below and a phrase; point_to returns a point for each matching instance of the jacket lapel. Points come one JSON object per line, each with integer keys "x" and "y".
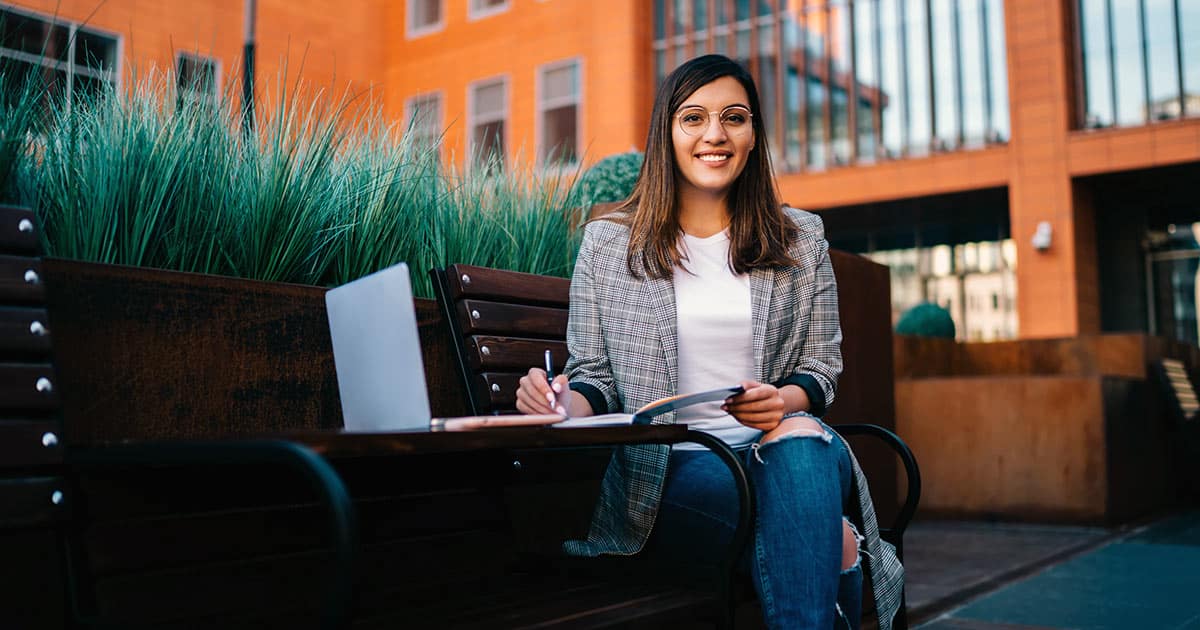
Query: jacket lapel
{"x": 662, "y": 300}
{"x": 761, "y": 282}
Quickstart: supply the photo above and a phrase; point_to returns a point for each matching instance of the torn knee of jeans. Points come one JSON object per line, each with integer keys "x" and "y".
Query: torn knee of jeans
{"x": 824, "y": 436}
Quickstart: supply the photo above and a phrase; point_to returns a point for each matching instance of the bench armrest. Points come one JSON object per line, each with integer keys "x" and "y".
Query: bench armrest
{"x": 912, "y": 473}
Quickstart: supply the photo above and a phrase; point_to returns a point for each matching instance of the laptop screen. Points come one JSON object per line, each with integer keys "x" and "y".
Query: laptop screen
{"x": 377, "y": 352}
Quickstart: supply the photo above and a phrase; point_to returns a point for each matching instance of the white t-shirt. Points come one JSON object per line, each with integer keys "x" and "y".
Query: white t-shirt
{"x": 714, "y": 333}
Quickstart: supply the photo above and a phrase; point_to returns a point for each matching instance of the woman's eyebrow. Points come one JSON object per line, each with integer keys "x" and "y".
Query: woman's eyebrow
{"x": 687, "y": 105}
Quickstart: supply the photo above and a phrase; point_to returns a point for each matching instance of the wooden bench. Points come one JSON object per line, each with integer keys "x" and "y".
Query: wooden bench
{"x": 502, "y": 322}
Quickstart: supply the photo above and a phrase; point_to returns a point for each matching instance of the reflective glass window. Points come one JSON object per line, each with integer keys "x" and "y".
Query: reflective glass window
{"x": 997, "y": 71}
{"x": 973, "y": 72}
{"x": 1189, "y": 36}
{"x": 866, "y": 77}
{"x": 1127, "y": 52}
{"x": 917, "y": 47}
{"x": 945, "y": 72}
{"x": 1164, "y": 69}
{"x": 891, "y": 99}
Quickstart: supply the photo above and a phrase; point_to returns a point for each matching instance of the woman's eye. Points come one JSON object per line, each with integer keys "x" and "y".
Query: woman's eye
{"x": 691, "y": 118}
{"x": 734, "y": 119}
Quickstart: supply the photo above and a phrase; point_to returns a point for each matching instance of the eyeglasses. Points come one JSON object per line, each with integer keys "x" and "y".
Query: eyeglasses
{"x": 694, "y": 121}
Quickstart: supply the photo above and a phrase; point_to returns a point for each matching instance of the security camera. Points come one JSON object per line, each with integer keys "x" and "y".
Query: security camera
{"x": 1041, "y": 236}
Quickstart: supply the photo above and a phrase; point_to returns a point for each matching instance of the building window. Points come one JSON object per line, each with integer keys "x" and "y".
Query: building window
{"x": 483, "y": 8}
{"x": 424, "y": 16}
{"x": 67, "y": 59}
{"x": 852, "y": 82}
{"x": 423, "y": 114}
{"x": 558, "y": 113}
{"x": 196, "y": 78}
{"x": 1140, "y": 61}
{"x": 488, "y": 112}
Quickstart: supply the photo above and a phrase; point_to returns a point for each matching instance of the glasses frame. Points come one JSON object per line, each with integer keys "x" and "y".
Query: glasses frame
{"x": 708, "y": 123}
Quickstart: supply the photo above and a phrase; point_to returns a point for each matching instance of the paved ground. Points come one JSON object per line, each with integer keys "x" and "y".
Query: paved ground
{"x": 971, "y": 576}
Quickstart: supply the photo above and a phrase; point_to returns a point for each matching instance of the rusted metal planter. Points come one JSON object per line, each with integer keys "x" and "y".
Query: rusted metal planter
{"x": 144, "y": 353}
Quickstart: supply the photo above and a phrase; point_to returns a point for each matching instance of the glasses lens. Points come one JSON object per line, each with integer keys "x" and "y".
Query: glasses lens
{"x": 693, "y": 120}
{"x": 735, "y": 119}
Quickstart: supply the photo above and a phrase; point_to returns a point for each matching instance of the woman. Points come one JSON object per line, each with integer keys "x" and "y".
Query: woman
{"x": 701, "y": 279}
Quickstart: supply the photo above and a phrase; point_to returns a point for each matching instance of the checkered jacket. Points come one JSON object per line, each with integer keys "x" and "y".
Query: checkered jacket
{"x": 622, "y": 342}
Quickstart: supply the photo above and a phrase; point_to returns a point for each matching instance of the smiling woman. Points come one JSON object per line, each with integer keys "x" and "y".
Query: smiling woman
{"x": 703, "y": 280}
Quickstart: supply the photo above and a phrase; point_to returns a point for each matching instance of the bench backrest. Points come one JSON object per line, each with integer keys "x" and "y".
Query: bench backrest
{"x": 502, "y": 322}
{"x": 34, "y": 496}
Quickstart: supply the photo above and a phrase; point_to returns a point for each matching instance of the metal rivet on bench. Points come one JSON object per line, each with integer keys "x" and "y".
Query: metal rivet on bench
{"x": 49, "y": 440}
{"x": 485, "y": 351}
{"x": 36, "y": 328}
{"x": 466, "y": 279}
{"x": 44, "y": 385}
{"x": 474, "y": 314}
{"x": 56, "y": 497}
{"x": 31, "y": 277}
{"x": 25, "y": 226}
{"x": 516, "y": 464}
{"x": 495, "y": 388}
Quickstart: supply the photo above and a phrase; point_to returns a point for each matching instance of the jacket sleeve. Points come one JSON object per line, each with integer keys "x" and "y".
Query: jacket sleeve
{"x": 588, "y": 367}
{"x": 821, "y": 357}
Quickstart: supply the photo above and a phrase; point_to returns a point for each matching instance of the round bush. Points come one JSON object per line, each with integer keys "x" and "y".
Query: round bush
{"x": 611, "y": 179}
{"x": 926, "y": 320}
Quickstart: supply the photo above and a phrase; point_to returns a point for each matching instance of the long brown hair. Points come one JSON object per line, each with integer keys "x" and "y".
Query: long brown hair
{"x": 759, "y": 232}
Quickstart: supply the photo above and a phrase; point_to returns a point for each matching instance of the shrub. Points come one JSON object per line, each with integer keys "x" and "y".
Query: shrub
{"x": 611, "y": 179}
{"x": 926, "y": 320}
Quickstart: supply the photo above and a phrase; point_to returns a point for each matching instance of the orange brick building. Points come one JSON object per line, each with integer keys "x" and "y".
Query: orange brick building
{"x": 1024, "y": 162}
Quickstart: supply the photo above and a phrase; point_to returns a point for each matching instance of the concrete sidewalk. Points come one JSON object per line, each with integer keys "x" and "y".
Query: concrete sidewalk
{"x": 972, "y": 576}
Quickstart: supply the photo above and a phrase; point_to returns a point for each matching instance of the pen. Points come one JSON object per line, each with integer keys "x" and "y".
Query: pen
{"x": 550, "y": 376}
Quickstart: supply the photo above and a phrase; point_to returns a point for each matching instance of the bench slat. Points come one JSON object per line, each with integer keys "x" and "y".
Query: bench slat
{"x": 24, "y": 332}
{"x": 33, "y": 501}
{"x": 28, "y": 386}
{"x": 492, "y": 353}
{"x": 467, "y": 281}
{"x": 21, "y": 280}
{"x": 500, "y": 388}
{"x": 18, "y": 230}
{"x": 483, "y": 317}
{"x": 30, "y": 443}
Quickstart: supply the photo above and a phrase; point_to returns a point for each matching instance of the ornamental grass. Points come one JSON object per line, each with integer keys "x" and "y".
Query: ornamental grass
{"x": 323, "y": 190}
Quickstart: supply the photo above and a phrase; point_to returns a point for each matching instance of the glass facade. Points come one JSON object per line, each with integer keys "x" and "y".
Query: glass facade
{"x": 66, "y": 59}
{"x": 1139, "y": 61}
{"x": 855, "y": 81}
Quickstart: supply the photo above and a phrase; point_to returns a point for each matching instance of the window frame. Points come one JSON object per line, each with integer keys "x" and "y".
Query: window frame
{"x": 540, "y": 107}
{"x": 472, "y": 120}
{"x": 474, "y": 13}
{"x": 409, "y": 106}
{"x": 413, "y": 32}
{"x": 191, "y": 95}
{"x": 69, "y": 66}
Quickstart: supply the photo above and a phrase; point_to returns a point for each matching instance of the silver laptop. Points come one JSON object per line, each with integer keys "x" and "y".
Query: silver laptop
{"x": 377, "y": 352}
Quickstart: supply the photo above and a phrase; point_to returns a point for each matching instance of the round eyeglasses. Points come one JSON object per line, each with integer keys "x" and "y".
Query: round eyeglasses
{"x": 694, "y": 120}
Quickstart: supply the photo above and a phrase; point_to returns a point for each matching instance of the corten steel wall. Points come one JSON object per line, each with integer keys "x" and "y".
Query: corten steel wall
{"x": 332, "y": 45}
{"x": 611, "y": 39}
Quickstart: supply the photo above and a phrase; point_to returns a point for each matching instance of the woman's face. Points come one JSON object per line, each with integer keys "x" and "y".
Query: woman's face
{"x": 709, "y": 156}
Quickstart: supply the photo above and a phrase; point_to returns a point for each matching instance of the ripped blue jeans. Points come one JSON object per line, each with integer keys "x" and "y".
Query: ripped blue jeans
{"x": 801, "y": 480}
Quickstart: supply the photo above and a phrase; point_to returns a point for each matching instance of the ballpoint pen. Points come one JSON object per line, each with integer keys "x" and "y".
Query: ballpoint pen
{"x": 550, "y": 377}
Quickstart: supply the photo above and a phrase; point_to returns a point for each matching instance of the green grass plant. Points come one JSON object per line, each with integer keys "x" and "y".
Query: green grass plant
{"x": 324, "y": 190}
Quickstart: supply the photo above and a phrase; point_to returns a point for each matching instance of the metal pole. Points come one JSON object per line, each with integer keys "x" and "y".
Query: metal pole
{"x": 249, "y": 19}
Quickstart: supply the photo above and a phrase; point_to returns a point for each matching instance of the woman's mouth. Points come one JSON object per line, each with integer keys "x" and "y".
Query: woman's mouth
{"x": 713, "y": 158}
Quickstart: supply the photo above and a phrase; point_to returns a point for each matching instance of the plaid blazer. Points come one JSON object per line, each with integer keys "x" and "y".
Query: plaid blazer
{"x": 622, "y": 341}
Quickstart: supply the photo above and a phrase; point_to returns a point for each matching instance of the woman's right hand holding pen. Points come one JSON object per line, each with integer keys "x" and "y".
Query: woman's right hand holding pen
{"x": 537, "y": 395}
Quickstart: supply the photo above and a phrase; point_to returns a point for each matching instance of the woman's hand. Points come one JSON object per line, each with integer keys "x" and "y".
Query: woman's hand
{"x": 761, "y": 406}
{"x": 536, "y": 396}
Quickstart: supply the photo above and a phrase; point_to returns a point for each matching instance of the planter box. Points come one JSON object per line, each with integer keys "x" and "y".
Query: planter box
{"x": 151, "y": 354}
